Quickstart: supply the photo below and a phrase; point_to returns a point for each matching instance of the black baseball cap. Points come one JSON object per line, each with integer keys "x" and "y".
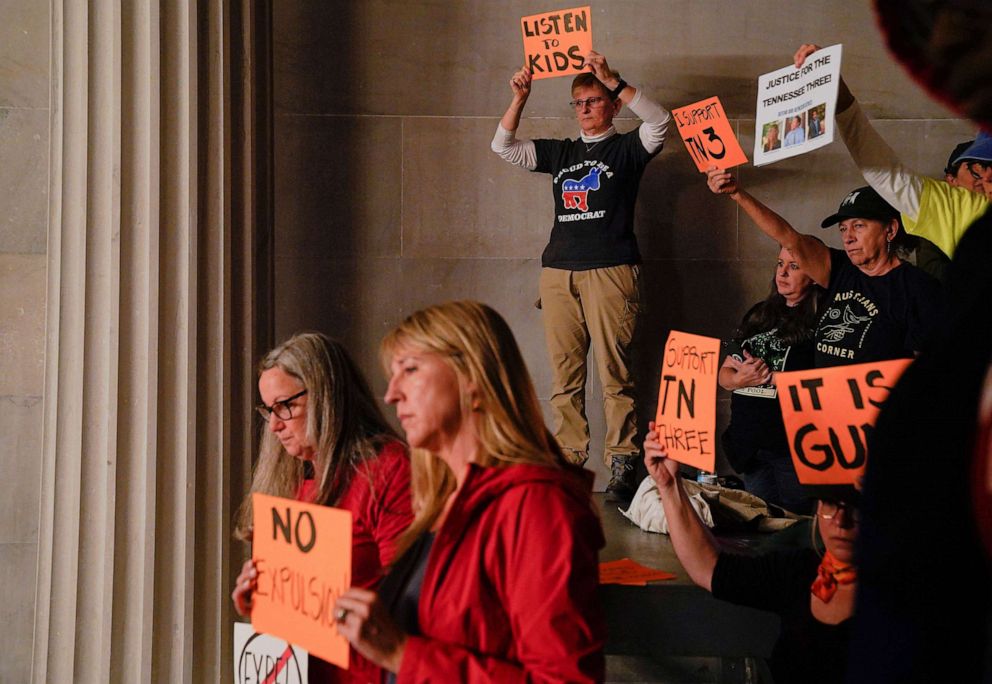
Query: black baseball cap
{"x": 862, "y": 203}
{"x": 846, "y": 494}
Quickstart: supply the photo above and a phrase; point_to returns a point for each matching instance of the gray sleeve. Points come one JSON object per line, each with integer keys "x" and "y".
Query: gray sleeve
{"x": 901, "y": 187}
{"x": 518, "y": 152}
{"x": 655, "y": 120}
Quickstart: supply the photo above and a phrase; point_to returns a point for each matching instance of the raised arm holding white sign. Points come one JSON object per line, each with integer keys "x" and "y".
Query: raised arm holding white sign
{"x": 795, "y": 108}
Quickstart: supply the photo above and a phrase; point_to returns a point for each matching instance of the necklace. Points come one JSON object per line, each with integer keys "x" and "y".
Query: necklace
{"x": 589, "y": 147}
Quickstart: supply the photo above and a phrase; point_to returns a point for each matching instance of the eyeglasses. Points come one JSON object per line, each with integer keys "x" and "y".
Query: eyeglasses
{"x": 283, "y": 409}
{"x": 978, "y": 170}
{"x": 591, "y": 101}
{"x": 830, "y": 509}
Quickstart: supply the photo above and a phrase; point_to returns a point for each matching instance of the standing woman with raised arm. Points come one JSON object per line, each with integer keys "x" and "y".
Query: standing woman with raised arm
{"x": 325, "y": 441}
{"x": 591, "y": 266}
{"x": 877, "y": 306}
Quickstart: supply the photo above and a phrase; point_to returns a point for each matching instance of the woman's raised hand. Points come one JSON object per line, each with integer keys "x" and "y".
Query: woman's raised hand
{"x": 661, "y": 468}
{"x": 721, "y": 182}
{"x": 804, "y": 51}
{"x": 520, "y": 84}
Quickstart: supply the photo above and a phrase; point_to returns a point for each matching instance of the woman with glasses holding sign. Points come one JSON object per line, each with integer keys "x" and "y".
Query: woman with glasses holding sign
{"x": 325, "y": 441}
{"x": 812, "y": 591}
{"x": 501, "y": 573}
{"x": 591, "y": 265}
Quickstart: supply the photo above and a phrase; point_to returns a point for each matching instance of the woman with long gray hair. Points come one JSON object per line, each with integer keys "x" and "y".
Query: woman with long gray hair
{"x": 325, "y": 441}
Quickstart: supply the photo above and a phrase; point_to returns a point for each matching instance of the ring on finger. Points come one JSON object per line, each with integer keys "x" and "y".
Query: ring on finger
{"x": 341, "y": 614}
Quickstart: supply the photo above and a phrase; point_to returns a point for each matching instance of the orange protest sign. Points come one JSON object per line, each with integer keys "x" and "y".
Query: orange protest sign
{"x": 708, "y": 135}
{"x": 686, "y": 418}
{"x": 556, "y": 43}
{"x": 626, "y": 571}
{"x": 303, "y": 556}
{"x": 829, "y": 414}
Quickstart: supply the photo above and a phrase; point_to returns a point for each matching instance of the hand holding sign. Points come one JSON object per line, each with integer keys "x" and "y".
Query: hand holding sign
{"x": 662, "y": 469}
{"x": 366, "y": 623}
{"x": 600, "y": 69}
{"x": 555, "y": 42}
{"x": 520, "y": 85}
{"x": 302, "y": 556}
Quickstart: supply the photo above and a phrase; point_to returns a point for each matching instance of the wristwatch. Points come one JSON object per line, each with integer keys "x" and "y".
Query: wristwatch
{"x": 615, "y": 93}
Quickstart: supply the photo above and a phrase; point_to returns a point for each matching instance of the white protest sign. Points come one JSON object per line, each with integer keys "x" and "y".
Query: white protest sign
{"x": 795, "y": 109}
{"x": 260, "y": 659}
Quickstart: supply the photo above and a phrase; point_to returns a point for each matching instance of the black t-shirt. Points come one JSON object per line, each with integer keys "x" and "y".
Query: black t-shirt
{"x": 874, "y": 318}
{"x": 595, "y": 189}
{"x": 807, "y": 650}
{"x": 755, "y": 416}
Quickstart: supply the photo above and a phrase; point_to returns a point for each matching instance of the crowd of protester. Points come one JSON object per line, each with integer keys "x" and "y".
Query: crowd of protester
{"x": 475, "y": 538}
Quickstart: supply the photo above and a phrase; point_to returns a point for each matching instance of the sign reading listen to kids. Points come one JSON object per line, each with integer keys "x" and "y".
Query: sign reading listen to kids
{"x": 795, "y": 112}
{"x": 829, "y": 414}
{"x": 302, "y": 553}
{"x": 686, "y": 417}
{"x": 556, "y": 43}
{"x": 708, "y": 135}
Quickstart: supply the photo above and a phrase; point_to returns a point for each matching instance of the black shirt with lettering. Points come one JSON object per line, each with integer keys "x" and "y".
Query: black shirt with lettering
{"x": 874, "y": 318}
{"x": 595, "y": 189}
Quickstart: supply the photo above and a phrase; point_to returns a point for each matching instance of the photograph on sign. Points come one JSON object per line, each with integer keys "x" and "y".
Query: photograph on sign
{"x": 302, "y": 553}
{"x": 686, "y": 417}
{"x": 708, "y": 135}
{"x": 261, "y": 658}
{"x": 829, "y": 414}
{"x": 795, "y": 108}
{"x": 556, "y": 43}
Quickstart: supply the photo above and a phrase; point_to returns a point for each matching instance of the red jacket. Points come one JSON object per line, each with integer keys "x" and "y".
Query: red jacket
{"x": 379, "y": 500}
{"x": 510, "y": 590}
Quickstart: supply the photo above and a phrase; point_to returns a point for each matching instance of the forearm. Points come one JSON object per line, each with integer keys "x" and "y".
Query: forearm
{"x": 655, "y": 119}
{"x": 518, "y": 152}
{"x": 694, "y": 544}
{"x": 727, "y": 378}
{"x": 899, "y": 186}
{"x": 769, "y": 222}
{"x": 511, "y": 118}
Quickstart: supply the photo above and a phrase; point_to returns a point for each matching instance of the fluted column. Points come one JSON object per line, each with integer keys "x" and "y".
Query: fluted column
{"x": 147, "y": 341}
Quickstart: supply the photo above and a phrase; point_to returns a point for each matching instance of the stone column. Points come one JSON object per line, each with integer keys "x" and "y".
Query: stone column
{"x": 143, "y": 340}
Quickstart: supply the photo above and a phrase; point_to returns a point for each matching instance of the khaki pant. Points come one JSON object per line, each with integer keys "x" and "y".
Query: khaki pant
{"x": 598, "y": 306}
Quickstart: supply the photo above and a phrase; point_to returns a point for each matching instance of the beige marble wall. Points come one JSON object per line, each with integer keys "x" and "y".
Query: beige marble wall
{"x": 24, "y": 97}
{"x": 388, "y": 198}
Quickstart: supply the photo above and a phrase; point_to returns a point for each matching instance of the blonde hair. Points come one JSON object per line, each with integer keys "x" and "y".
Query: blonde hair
{"x": 343, "y": 420}
{"x": 479, "y": 346}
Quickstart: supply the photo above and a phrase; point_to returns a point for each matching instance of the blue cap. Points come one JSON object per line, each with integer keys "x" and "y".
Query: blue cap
{"x": 980, "y": 150}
